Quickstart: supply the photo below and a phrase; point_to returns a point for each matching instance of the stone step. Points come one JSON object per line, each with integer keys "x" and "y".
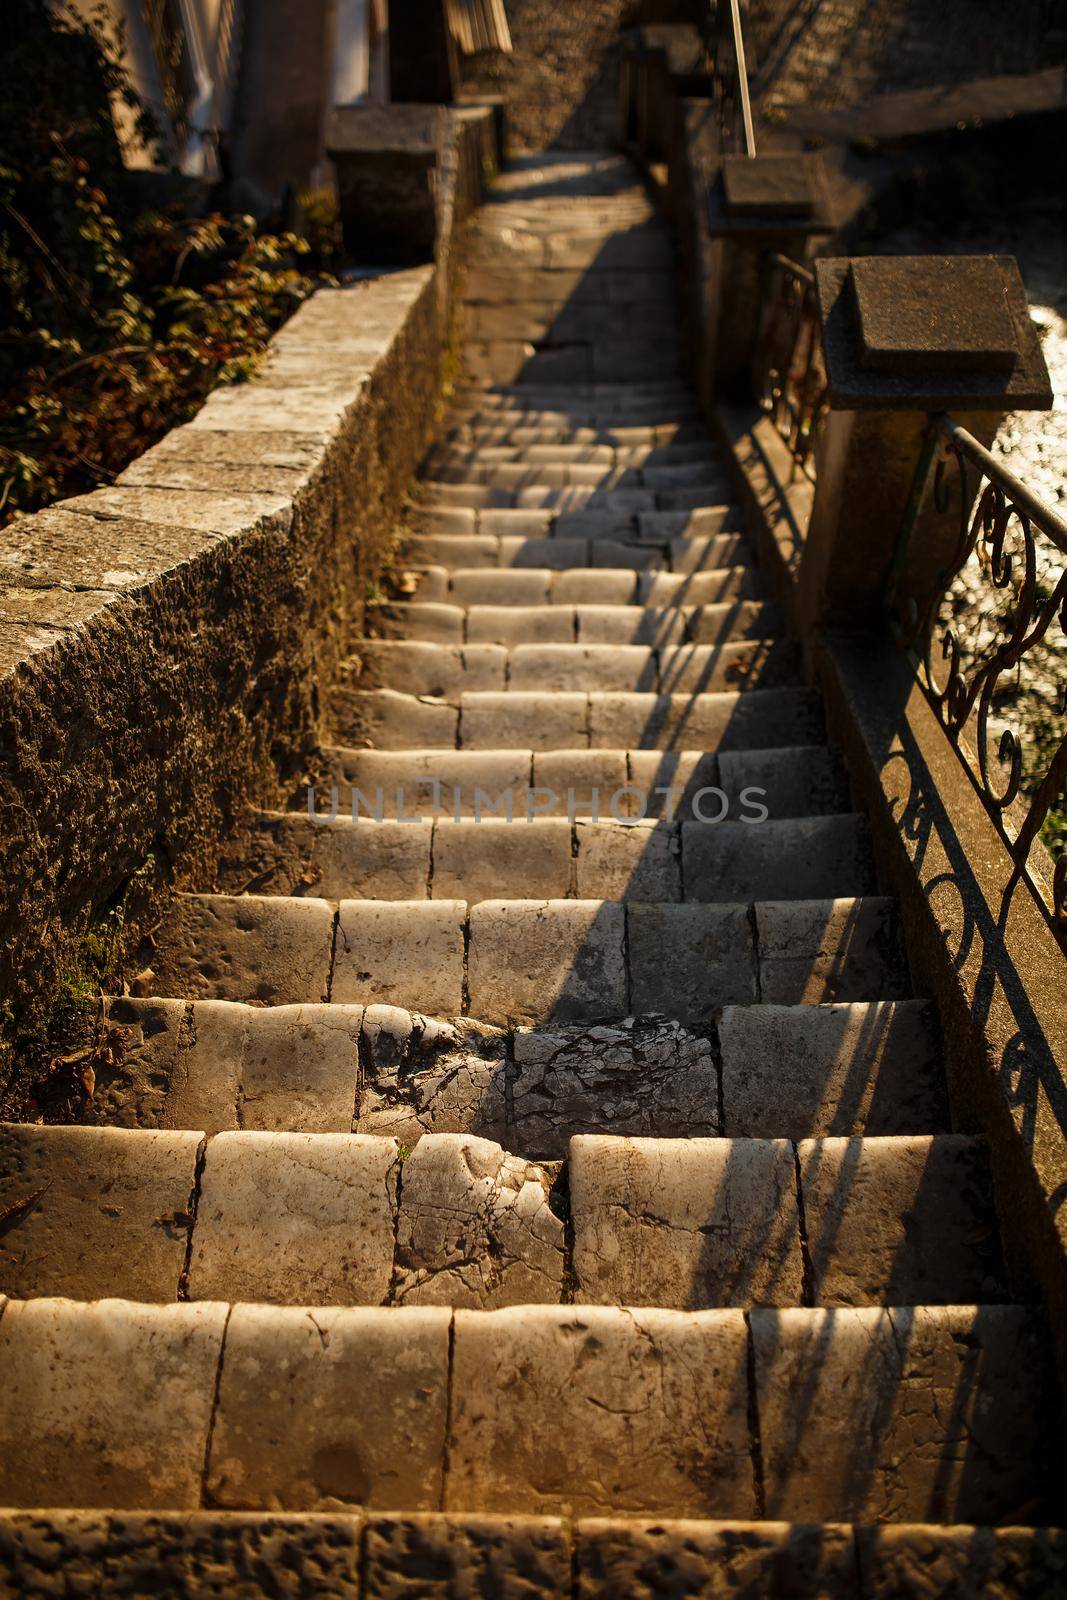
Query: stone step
{"x": 804, "y": 781}
{"x": 668, "y": 529}
{"x": 583, "y": 321}
{"x": 614, "y": 395}
{"x": 646, "y": 247}
{"x": 763, "y": 1071}
{"x": 688, "y": 1224}
{"x": 576, "y": 495}
{"x": 357, "y": 1556}
{"x": 864, "y": 1413}
{"x": 536, "y": 857}
{"x": 645, "y": 439}
{"x": 628, "y": 422}
{"x": 749, "y": 719}
{"x": 580, "y": 539}
{"x": 440, "y": 622}
{"x": 418, "y": 667}
{"x": 429, "y": 560}
{"x": 473, "y": 468}
{"x": 561, "y": 359}
{"x": 507, "y": 961}
{"x": 453, "y": 452}
{"x": 629, "y": 575}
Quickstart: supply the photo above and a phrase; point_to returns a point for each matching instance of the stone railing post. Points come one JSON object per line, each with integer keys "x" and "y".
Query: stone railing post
{"x": 756, "y": 205}
{"x": 905, "y": 337}
{"x": 386, "y": 158}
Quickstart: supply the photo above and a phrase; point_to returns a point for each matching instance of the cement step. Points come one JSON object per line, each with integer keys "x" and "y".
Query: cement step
{"x": 507, "y": 961}
{"x": 348, "y": 1219}
{"x": 510, "y": 850}
{"x": 419, "y": 667}
{"x": 864, "y": 1413}
{"x": 444, "y": 623}
{"x": 357, "y": 1556}
{"x": 802, "y": 781}
{"x": 750, "y": 719}
{"x": 763, "y": 1071}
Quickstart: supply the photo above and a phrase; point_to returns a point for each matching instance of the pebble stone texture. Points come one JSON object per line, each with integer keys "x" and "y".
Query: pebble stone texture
{"x": 567, "y": 1206}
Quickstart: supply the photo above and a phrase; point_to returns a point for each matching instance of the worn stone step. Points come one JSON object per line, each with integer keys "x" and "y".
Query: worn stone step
{"x": 777, "y": 1072}
{"x": 562, "y": 359}
{"x": 695, "y": 1223}
{"x": 804, "y": 781}
{"x": 749, "y": 719}
{"x": 420, "y": 667}
{"x": 359, "y": 1556}
{"x": 459, "y": 452}
{"x": 644, "y": 439}
{"x": 576, "y": 496}
{"x": 626, "y": 581}
{"x": 348, "y": 1219}
{"x": 389, "y": 1071}
{"x": 608, "y": 477}
{"x": 441, "y": 623}
{"x": 583, "y": 321}
{"x": 432, "y": 560}
{"x": 507, "y": 961}
{"x": 513, "y": 848}
{"x": 627, "y": 422}
{"x": 864, "y": 1413}
{"x": 666, "y": 528}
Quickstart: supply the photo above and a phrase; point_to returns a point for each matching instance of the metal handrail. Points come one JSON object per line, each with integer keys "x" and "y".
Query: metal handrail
{"x": 742, "y": 77}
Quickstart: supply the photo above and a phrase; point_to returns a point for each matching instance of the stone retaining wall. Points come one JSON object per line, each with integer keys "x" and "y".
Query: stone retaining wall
{"x": 166, "y": 644}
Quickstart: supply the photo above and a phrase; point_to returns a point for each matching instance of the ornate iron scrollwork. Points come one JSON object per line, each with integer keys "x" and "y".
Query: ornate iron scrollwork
{"x": 1004, "y": 523}
{"x": 790, "y": 374}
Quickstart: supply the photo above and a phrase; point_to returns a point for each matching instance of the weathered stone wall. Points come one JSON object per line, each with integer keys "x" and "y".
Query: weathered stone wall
{"x": 561, "y": 84}
{"x": 166, "y": 644}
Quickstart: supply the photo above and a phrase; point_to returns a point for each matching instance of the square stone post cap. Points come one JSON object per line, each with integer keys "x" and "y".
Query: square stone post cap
{"x": 401, "y": 129}
{"x": 771, "y": 194}
{"x": 929, "y": 333}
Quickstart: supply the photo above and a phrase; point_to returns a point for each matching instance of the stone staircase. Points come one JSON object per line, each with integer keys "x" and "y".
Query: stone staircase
{"x": 563, "y": 1205}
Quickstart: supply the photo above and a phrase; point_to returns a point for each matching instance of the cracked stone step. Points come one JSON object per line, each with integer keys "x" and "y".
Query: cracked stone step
{"x": 787, "y": 1072}
{"x": 508, "y": 961}
{"x": 443, "y": 671}
{"x": 508, "y": 849}
{"x": 373, "y": 1556}
{"x": 285, "y": 1219}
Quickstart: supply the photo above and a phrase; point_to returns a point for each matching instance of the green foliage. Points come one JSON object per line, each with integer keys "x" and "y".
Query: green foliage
{"x": 115, "y": 320}
{"x": 54, "y": 1041}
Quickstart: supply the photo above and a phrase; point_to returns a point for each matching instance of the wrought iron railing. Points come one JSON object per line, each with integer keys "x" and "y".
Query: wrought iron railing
{"x": 789, "y": 373}
{"x": 972, "y": 654}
